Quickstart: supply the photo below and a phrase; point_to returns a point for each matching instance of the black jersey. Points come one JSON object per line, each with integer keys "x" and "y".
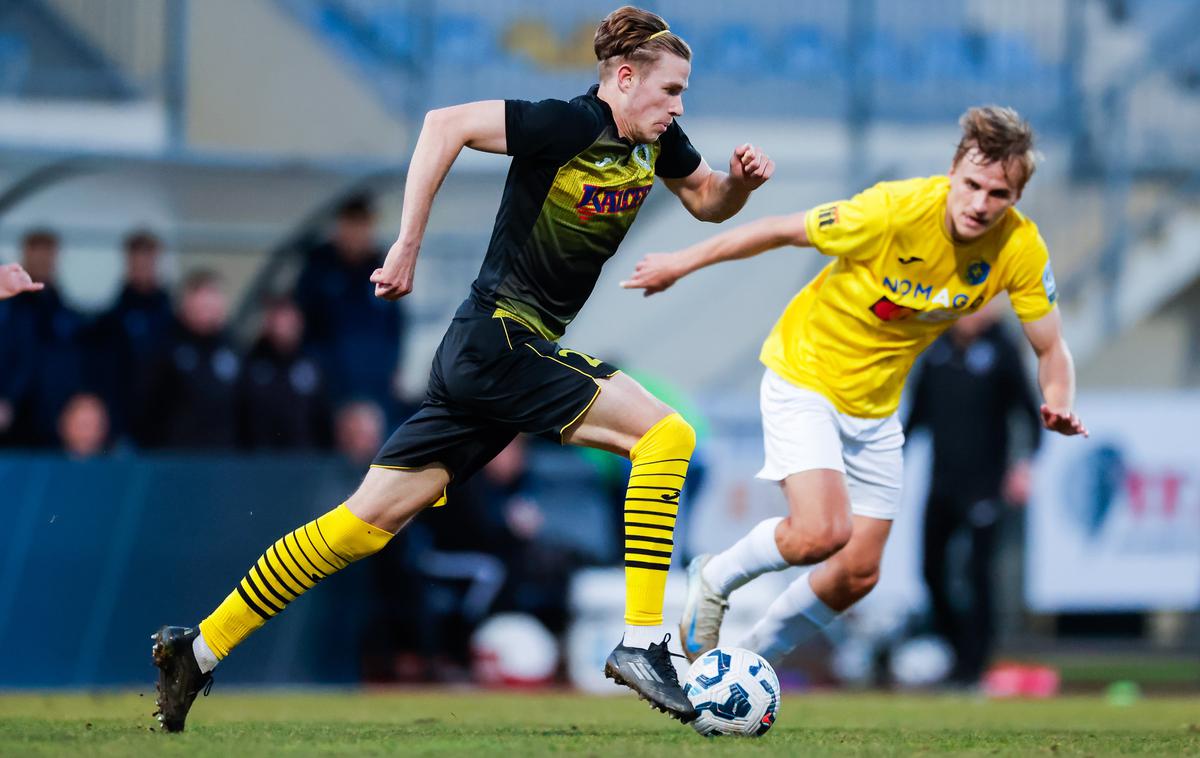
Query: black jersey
{"x": 573, "y": 190}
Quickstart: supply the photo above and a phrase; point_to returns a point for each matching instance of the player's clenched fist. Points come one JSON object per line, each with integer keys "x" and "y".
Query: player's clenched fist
{"x": 391, "y": 286}
{"x": 395, "y": 279}
{"x": 654, "y": 273}
{"x": 14, "y": 280}
{"x": 750, "y": 166}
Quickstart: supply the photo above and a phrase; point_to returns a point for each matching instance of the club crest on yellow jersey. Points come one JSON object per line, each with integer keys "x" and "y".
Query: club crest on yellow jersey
{"x": 977, "y": 272}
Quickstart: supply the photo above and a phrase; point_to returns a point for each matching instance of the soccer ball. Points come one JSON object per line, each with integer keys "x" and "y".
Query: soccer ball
{"x": 735, "y": 691}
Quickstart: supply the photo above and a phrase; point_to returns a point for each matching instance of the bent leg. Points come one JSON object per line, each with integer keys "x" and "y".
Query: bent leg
{"x": 853, "y": 571}
{"x": 817, "y": 525}
{"x": 802, "y": 447}
{"x": 814, "y": 600}
{"x": 628, "y": 420}
{"x": 298, "y": 561}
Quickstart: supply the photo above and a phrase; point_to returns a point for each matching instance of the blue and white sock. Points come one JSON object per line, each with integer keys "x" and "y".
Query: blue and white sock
{"x": 794, "y": 617}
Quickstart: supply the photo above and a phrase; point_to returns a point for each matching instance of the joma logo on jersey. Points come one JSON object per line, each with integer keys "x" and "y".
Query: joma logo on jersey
{"x": 606, "y": 200}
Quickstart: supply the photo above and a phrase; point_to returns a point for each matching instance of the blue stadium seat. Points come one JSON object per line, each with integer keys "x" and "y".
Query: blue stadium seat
{"x": 462, "y": 41}
{"x": 1010, "y": 57}
{"x": 335, "y": 25}
{"x": 687, "y": 32}
{"x": 14, "y": 63}
{"x": 949, "y": 55}
{"x": 806, "y": 51}
{"x": 395, "y": 33}
{"x": 739, "y": 49}
{"x": 884, "y": 58}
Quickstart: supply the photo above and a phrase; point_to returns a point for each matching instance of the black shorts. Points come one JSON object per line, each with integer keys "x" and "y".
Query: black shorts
{"x": 492, "y": 378}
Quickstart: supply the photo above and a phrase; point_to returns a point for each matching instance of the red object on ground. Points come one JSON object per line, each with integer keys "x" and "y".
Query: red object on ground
{"x": 1021, "y": 680}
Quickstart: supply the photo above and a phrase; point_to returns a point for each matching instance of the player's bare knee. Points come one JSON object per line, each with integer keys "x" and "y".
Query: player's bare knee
{"x": 805, "y": 544}
{"x": 390, "y": 500}
{"x": 860, "y": 585}
{"x": 857, "y": 581}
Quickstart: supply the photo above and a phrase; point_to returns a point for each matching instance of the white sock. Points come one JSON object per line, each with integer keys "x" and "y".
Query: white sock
{"x": 751, "y": 556}
{"x": 642, "y": 636}
{"x": 795, "y": 616}
{"x": 205, "y": 657}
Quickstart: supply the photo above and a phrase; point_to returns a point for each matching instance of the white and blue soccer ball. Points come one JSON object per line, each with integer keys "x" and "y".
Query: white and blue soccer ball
{"x": 735, "y": 690}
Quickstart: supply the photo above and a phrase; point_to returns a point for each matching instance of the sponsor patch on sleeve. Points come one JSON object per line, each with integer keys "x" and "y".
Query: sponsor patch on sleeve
{"x": 827, "y": 216}
{"x": 1048, "y": 283}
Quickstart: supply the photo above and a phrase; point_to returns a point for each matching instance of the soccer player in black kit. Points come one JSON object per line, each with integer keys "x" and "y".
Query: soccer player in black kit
{"x": 580, "y": 172}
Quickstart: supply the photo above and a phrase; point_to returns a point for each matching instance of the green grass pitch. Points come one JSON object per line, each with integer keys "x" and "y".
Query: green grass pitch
{"x": 440, "y": 722}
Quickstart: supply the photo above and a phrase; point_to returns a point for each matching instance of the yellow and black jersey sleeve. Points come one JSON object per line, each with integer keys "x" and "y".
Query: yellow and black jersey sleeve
{"x": 853, "y": 228}
{"x": 549, "y": 130}
{"x": 677, "y": 158}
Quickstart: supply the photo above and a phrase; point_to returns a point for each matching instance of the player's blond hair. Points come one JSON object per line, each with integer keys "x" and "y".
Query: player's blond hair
{"x": 636, "y": 36}
{"x": 999, "y": 134}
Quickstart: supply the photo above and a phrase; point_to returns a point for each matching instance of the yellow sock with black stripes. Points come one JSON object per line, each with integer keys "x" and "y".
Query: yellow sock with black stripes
{"x": 660, "y": 463}
{"x": 288, "y": 569}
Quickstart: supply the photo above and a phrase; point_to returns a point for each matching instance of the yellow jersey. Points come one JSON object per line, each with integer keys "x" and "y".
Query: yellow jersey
{"x": 897, "y": 280}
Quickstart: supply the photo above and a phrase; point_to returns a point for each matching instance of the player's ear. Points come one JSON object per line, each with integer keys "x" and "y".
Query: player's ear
{"x": 625, "y": 76}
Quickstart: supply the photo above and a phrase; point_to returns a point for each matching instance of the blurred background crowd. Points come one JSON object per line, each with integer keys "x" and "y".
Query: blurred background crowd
{"x": 204, "y": 187}
{"x": 160, "y": 370}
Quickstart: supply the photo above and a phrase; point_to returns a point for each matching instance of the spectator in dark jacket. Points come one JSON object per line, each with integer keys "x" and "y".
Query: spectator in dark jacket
{"x": 355, "y": 335}
{"x": 130, "y": 334}
{"x": 191, "y": 398}
{"x": 969, "y": 387}
{"x": 282, "y": 393}
{"x": 41, "y": 355}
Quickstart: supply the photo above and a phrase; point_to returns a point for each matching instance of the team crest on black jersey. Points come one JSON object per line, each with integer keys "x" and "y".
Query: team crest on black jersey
{"x": 644, "y": 157}
{"x": 606, "y": 200}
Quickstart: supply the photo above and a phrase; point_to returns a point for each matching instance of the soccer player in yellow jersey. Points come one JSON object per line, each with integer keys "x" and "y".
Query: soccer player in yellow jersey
{"x": 907, "y": 259}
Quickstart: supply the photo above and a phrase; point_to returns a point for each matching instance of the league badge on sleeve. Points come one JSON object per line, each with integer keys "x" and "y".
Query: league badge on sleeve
{"x": 1048, "y": 283}
{"x": 827, "y": 216}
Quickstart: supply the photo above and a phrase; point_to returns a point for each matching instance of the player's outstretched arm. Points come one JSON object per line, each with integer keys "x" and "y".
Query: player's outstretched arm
{"x": 1056, "y": 374}
{"x": 445, "y": 133}
{"x": 657, "y": 271}
{"x": 14, "y": 280}
{"x": 716, "y": 195}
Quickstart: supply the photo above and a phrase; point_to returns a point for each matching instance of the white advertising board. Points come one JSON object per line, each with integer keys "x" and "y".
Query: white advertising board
{"x": 1114, "y": 520}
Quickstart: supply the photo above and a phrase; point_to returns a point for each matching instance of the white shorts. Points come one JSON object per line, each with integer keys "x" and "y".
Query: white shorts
{"x": 803, "y": 431}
